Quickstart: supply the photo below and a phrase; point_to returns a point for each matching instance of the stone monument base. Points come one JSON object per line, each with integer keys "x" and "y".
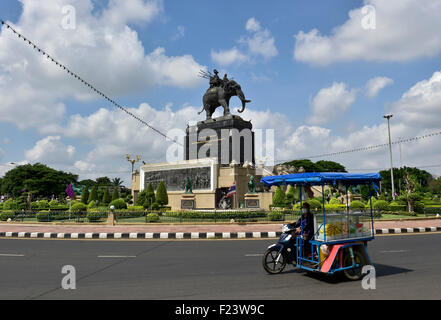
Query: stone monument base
{"x": 188, "y": 201}
{"x": 252, "y": 201}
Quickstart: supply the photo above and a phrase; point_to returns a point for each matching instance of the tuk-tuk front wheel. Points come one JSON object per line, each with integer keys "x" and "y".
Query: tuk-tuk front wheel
{"x": 355, "y": 273}
{"x": 274, "y": 261}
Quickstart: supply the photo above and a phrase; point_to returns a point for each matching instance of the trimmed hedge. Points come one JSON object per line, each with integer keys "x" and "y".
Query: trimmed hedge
{"x": 7, "y": 215}
{"x": 275, "y": 216}
{"x": 118, "y": 204}
{"x": 46, "y": 216}
{"x": 219, "y": 215}
{"x": 152, "y": 217}
{"x": 96, "y": 217}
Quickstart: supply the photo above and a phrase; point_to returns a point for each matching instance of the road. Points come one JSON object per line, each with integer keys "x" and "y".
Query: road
{"x": 407, "y": 267}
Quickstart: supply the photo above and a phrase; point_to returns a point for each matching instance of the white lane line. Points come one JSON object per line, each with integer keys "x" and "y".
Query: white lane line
{"x": 254, "y": 255}
{"x": 116, "y": 257}
{"x": 11, "y": 255}
{"x": 394, "y": 251}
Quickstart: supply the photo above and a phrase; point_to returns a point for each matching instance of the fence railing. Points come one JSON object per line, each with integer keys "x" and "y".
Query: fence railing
{"x": 212, "y": 216}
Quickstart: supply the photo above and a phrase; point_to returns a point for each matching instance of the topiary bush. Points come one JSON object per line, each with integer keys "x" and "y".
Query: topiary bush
{"x": 334, "y": 201}
{"x": 9, "y": 205}
{"x": 314, "y": 204}
{"x": 275, "y": 216}
{"x": 96, "y": 216}
{"x": 91, "y": 205}
{"x": 79, "y": 207}
{"x": 357, "y": 205}
{"x": 152, "y": 217}
{"x": 381, "y": 205}
{"x": 279, "y": 197}
{"x": 43, "y": 205}
{"x": 7, "y": 215}
{"x": 119, "y": 204}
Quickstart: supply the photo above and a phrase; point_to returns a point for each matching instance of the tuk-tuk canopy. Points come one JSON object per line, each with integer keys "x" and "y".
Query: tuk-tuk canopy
{"x": 321, "y": 178}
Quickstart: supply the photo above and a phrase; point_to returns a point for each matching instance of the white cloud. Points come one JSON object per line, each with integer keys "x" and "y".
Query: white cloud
{"x": 253, "y": 25}
{"x": 102, "y": 49}
{"x": 375, "y": 85}
{"x": 228, "y": 57}
{"x": 331, "y": 102}
{"x": 51, "y": 150}
{"x": 405, "y": 30}
{"x": 259, "y": 44}
{"x": 419, "y": 107}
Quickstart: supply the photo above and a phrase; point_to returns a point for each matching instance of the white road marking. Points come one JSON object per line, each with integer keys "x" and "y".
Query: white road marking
{"x": 11, "y": 255}
{"x": 116, "y": 257}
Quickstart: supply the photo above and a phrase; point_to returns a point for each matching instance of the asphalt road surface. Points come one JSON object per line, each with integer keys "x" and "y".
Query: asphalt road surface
{"x": 407, "y": 267}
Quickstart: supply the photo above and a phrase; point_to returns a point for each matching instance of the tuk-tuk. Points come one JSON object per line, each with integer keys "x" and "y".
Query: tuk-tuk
{"x": 340, "y": 237}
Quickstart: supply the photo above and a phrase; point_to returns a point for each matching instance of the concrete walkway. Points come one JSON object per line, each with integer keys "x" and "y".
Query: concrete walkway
{"x": 186, "y": 230}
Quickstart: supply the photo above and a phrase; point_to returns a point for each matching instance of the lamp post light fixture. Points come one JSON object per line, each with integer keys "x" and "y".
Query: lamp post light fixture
{"x": 388, "y": 116}
{"x": 133, "y": 161}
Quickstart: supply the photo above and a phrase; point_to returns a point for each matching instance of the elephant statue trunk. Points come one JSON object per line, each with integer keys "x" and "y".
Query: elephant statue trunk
{"x": 241, "y": 96}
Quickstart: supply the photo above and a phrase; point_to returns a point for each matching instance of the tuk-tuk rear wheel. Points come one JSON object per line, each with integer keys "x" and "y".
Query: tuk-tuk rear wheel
{"x": 355, "y": 273}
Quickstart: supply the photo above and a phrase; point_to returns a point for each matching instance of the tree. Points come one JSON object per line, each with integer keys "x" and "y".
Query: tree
{"x": 279, "y": 197}
{"x": 38, "y": 179}
{"x": 161, "y": 194}
{"x": 117, "y": 182}
{"x": 146, "y": 197}
{"x": 115, "y": 194}
{"x": 85, "y": 196}
{"x": 319, "y": 166}
{"x": 106, "y": 197}
{"x": 93, "y": 194}
{"x": 103, "y": 181}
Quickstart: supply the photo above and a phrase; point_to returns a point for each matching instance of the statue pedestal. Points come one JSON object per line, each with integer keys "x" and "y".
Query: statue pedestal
{"x": 252, "y": 201}
{"x": 226, "y": 138}
{"x": 188, "y": 201}
{"x": 111, "y": 219}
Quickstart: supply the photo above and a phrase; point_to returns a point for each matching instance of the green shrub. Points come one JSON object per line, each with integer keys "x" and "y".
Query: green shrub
{"x": 96, "y": 217}
{"x": 419, "y": 207}
{"x": 357, "y": 205}
{"x": 381, "y": 205}
{"x": 335, "y": 207}
{"x": 279, "y": 197}
{"x": 334, "y": 201}
{"x": 314, "y": 204}
{"x": 43, "y": 205}
{"x": 79, "y": 207}
{"x": 161, "y": 194}
{"x": 53, "y": 204}
{"x": 85, "y": 196}
{"x": 45, "y": 216}
{"x": 119, "y": 204}
{"x": 91, "y": 205}
{"x": 106, "y": 197}
{"x": 115, "y": 194}
{"x": 275, "y": 216}
{"x": 152, "y": 217}
{"x": 9, "y": 205}
{"x": 1, "y": 206}
{"x": 155, "y": 206}
{"x": 7, "y": 215}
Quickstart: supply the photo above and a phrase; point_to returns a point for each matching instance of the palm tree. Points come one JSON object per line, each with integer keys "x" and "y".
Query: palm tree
{"x": 117, "y": 182}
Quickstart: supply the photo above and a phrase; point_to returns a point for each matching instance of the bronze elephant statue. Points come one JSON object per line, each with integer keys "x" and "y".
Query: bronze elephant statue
{"x": 220, "y": 96}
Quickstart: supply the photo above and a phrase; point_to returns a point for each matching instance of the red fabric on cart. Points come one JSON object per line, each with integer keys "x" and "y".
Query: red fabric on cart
{"x": 330, "y": 259}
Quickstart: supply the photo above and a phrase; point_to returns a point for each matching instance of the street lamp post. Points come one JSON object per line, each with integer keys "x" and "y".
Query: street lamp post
{"x": 388, "y": 116}
{"x": 133, "y": 161}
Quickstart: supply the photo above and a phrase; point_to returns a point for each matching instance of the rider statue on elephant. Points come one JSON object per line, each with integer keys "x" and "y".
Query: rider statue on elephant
{"x": 220, "y": 93}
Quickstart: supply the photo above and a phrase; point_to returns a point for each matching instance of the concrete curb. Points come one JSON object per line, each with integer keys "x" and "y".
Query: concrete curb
{"x": 185, "y": 235}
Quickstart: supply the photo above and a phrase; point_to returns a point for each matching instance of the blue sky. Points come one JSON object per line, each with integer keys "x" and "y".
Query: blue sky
{"x": 304, "y": 64}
